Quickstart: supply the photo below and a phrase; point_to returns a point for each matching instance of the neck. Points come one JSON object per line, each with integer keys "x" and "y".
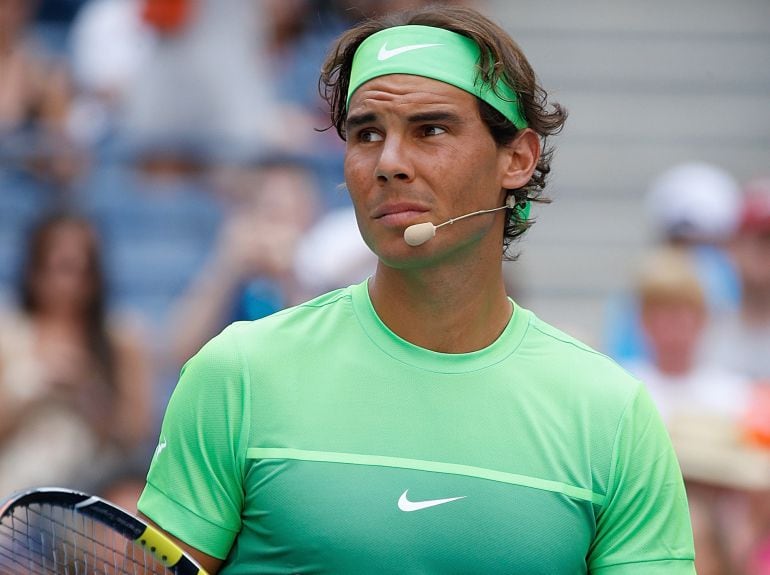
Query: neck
{"x": 55, "y": 316}
{"x": 444, "y": 310}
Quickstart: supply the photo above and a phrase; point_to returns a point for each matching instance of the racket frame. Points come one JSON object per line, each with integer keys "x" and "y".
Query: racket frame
{"x": 132, "y": 528}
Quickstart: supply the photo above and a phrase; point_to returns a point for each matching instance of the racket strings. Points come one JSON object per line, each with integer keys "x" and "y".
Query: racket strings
{"x": 47, "y": 539}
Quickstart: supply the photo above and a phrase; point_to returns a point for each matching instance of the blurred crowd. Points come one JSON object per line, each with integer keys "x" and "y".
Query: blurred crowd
{"x": 165, "y": 169}
{"x": 695, "y": 328}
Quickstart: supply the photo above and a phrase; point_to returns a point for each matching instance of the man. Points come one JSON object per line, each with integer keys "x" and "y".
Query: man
{"x": 739, "y": 339}
{"x": 674, "y": 315}
{"x": 421, "y": 422}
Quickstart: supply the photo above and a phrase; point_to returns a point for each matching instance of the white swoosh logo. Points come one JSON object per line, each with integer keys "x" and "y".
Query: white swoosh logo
{"x": 405, "y": 505}
{"x": 161, "y": 447}
{"x": 385, "y": 54}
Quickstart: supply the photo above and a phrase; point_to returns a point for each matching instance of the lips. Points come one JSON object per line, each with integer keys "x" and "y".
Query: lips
{"x": 399, "y": 214}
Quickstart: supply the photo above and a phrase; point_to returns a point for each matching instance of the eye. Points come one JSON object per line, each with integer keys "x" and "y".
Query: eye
{"x": 369, "y": 136}
{"x": 433, "y": 130}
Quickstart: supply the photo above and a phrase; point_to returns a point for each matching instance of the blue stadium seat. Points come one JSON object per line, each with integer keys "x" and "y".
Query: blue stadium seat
{"x": 156, "y": 236}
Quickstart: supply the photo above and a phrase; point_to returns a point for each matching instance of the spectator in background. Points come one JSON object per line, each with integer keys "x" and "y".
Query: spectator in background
{"x": 110, "y": 42}
{"x": 674, "y": 315}
{"x": 38, "y": 163}
{"x": 204, "y": 81}
{"x": 34, "y": 89}
{"x": 251, "y": 273}
{"x": 294, "y": 36}
{"x": 703, "y": 405}
{"x": 73, "y": 384}
{"x": 694, "y": 206}
{"x": 35, "y": 98}
{"x": 297, "y": 35}
{"x": 740, "y": 338}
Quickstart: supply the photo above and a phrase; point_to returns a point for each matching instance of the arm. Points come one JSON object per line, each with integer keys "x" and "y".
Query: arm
{"x": 56, "y": 95}
{"x": 25, "y": 389}
{"x": 250, "y": 246}
{"x": 133, "y": 387}
{"x": 644, "y": 525}
{"x": 203, "y": 310}
{"x": 195, "y": 485}
{"x": 209, "y": 563}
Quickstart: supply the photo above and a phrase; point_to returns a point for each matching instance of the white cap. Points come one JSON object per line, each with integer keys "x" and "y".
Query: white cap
{"x": 696, "y": 201}
{"x": 110, "y": 44}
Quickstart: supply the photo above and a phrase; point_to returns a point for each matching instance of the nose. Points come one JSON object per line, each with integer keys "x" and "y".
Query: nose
{"x": 394, "y": 162}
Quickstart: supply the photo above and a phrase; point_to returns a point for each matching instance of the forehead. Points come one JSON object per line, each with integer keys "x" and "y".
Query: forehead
{"x": 409, "y": 90}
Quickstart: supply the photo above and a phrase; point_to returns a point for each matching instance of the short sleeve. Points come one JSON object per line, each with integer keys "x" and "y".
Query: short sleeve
{"x": 644, "y": 525}
{"x": 194, "y": 486}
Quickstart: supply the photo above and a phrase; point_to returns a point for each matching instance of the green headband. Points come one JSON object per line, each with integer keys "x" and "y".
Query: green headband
{"x": 433, "y": 53}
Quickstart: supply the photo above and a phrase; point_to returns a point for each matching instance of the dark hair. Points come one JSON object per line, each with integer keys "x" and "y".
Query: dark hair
{"x": 37, "y": 247}
{"x": 501, "y": 60}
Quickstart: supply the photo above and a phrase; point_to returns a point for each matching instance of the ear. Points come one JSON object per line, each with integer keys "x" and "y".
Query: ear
{"x": 519, "y": 159}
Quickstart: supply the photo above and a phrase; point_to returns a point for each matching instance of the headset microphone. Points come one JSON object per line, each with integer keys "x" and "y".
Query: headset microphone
{"x": 418, "y": 234}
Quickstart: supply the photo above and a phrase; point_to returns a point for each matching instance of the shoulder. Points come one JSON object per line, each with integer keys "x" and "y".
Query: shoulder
{"x": 560, "y": 340}
{"x": 252, "y": 341}
{"x": 16, "y": 329}
{"x": 306, "y": 317}
{"x": 576, "y": 365}
{"x": 11, "y": 317}
{"x": 227, "y": 366}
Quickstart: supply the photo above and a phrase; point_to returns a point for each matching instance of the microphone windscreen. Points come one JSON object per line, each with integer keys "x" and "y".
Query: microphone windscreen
{"x": 418, "y": 234}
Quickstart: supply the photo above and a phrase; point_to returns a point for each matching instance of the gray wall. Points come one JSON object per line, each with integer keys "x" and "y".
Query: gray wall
{"x": 648, "y": 85}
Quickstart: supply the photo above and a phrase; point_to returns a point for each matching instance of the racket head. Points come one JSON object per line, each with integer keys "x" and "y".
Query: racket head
{"x": 53, "y": 530}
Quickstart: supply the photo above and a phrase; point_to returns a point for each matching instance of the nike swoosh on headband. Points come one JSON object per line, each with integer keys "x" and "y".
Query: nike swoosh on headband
{"x": 458, "y": 65}
{"x": 405, "y": 505}
{"x": 385, "y": 54}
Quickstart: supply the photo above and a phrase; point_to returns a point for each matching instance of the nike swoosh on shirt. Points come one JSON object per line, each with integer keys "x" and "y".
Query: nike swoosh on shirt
{"x": 385, "y": 54}
{"x": 161, "y": 446}
{"x": 405, "y": 505}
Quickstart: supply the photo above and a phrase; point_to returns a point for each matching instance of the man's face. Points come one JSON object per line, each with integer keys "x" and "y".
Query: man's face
{"x": 418, "y": 151}
{"x": 673, "y": 327}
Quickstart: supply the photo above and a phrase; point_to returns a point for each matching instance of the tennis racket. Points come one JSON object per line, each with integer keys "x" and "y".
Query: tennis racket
{"x": 59, "y": 531}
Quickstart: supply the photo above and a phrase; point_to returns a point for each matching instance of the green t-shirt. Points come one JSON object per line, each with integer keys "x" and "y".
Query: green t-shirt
{"x": 317, "y": 441}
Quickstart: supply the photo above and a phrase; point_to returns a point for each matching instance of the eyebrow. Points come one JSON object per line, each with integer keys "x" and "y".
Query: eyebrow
{"x": 359, "y": 119}
{"x": 437, "y": 116}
